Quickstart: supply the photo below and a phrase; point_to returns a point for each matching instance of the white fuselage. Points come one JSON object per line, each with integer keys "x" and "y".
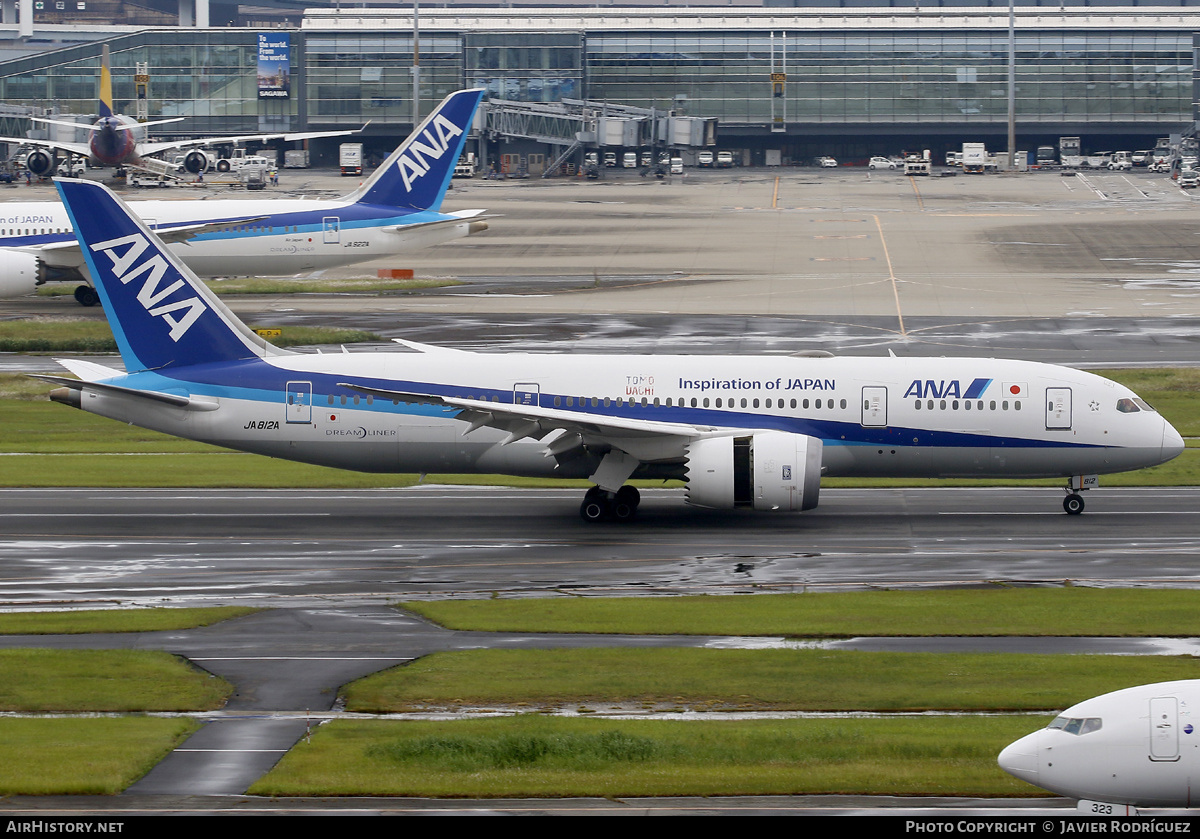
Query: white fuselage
{"x": 874, "y": 416}
{"x": 1139, "y": 746}
{"x": 279, "y": 237}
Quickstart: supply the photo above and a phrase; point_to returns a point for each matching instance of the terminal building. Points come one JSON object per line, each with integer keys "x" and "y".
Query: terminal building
{"x": 782, "y": 83}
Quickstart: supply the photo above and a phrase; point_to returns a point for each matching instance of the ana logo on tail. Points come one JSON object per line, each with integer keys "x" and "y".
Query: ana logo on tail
{"x": 150, "y": 295}
{"x": 414, "y": 167}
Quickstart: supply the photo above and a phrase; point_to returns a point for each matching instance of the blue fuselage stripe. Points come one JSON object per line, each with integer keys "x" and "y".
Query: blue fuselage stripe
{"x": 266, "y": 383}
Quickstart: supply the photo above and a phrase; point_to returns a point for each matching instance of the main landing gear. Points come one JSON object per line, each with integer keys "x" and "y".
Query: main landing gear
{"x": 599, "y": 505}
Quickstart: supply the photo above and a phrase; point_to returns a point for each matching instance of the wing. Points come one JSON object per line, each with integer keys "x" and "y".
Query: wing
{"x": 169, "y": 145}
{"x": 73, "y": 148}
{"x": 624, "y": 443}
{"x": 67, "y": 254}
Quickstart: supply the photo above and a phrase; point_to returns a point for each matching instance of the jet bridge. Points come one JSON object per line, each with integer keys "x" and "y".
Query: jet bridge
{"x": 575, "y": 124}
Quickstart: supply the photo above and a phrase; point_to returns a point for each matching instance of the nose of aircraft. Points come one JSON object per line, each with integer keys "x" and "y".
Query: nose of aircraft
{"x": 1020, "y": 759}
{"x": 1172, "y": 442}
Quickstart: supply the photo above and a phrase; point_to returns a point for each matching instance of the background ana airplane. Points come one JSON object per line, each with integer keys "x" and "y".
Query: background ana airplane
{"x": 750, "y": 432}
{"x": 1138, "y": 747}
{"x": 120, "y": 141}
{"x": 397, "y": 208}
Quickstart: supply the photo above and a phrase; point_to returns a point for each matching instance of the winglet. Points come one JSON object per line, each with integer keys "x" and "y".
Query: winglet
{"x": 417, "y": 174}
{"x": 161, "y": 314}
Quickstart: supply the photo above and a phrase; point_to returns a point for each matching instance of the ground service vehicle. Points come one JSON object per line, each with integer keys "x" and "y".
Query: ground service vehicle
{"x": 918, "y": 164}
{"x": 974, "y": 158}
{"x": 1120, "y": 161}
{"x": 350, "y": 158}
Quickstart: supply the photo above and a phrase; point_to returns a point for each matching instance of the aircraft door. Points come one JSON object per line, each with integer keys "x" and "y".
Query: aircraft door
{"x": 1058, "y": 408}
{"x": 1164, "y": 728}
{"x": 299, "y": 402}
{"x": 526, "y": 393}
{"x": 331, "y": 227}
{"x": 874, "y": 407}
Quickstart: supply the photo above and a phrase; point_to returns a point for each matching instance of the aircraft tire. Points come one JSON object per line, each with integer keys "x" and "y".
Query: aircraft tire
{"x": 85, "y": 295}
{"x": 1073, "y": 504}
{"x": 625, "y": 505}
{"x": 593, "y": 509}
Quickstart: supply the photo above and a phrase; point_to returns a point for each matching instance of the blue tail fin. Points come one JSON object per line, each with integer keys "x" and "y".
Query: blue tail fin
{"x": 161, "y": 315}
{"x": 416, "y": 175}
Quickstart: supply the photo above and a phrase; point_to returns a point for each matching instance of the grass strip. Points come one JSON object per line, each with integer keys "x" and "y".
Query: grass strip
{"x": 45, "y": 335}
{"x": 76, "y": 681}
{"x": 997, "y": 611}
{"x": 269, "y": 285}
{"x": 97, "y": 756}
{"x": 756, "y": 680}
{"x": 555, "y": 757}
{"x": 89, "y": 621}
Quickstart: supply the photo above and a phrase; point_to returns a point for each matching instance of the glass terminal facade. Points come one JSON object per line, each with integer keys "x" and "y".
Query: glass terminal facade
{"x": 844, "y": 77}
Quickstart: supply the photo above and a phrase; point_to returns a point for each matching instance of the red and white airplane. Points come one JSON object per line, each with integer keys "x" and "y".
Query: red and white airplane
{"x": 118, "y": 140}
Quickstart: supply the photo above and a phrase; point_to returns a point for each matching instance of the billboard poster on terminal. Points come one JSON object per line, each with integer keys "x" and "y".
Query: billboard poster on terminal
{"x": 274, "y": 65}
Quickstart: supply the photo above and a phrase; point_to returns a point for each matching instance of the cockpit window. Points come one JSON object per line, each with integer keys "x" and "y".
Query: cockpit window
{"x": 1077, "y": 725}
{"x": 1127, "y": 406}
{"x": 1143, "y": 404}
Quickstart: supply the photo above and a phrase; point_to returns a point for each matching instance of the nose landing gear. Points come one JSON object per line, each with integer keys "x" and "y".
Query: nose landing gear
{"x": 1076, "y": 484}
{"x": 599, "y": 505}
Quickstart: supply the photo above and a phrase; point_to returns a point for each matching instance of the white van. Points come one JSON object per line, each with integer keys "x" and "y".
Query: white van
{"x": 629, "y": 160}
{"x": 704, "y": 159}
{"x": 676, "y": 165}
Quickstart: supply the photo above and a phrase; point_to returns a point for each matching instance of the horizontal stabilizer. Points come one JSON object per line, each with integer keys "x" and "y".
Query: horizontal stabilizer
{"x": 151, "y": 395}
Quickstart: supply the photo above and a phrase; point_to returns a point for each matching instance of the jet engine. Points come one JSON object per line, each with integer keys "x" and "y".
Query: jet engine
{"x": 41, "y": 163}
{"x": 195, "y": 162}
{"x": 764, "y": 470}
{"x": 20, "y": 274}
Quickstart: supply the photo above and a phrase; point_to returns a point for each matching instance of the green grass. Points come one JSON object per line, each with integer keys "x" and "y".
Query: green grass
{"x": 361, "y": 285}
{"x": 97, "y": 756}
{"x": 76, "y": 681}
{"x": 998, "y": 611}
{"x": 89, "y": 621}
{"x": 551, "y": 757}
{"x": 46, "y": 335}
{"x": 268, "y": 285}
{"x": 756, "y": 680}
